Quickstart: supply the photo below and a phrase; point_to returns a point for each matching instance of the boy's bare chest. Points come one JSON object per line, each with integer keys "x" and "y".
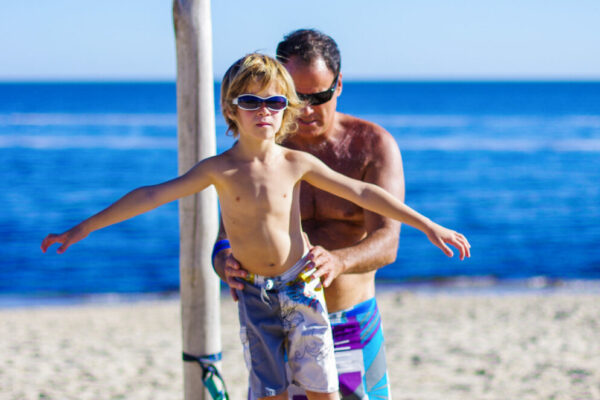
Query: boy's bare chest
{"x": 259, "y": 187}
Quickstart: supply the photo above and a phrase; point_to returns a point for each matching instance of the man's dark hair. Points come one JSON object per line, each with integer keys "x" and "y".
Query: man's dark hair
{"x": 310, "y": 45}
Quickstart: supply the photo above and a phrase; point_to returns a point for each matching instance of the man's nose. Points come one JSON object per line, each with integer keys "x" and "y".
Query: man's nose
{"x": 307, "y": 109}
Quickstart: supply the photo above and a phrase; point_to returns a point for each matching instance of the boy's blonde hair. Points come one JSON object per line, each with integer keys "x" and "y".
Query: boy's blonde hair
{"x": 261, "y": 70}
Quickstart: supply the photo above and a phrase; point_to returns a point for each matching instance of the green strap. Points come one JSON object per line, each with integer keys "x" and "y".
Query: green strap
{"x": 210, "y": 374}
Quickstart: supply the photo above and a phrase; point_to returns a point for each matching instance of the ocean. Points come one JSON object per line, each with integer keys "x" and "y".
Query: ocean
{"x": 515, "y": 166}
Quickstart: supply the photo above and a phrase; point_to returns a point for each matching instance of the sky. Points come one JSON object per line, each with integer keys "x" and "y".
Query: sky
{"x": 379, "y": 39}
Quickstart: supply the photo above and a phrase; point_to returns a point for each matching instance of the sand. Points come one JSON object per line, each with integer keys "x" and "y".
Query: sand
{"x": 440, "y": 345}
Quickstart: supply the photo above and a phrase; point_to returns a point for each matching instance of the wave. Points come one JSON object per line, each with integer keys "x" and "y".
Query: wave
{"x": 51, "y": 119}
{"x": 57, "y": 142}
{"x": 494, "y": 121}
{"x": 499, "y": 145}
{"x": 449, "y": 144}
{"x": 387, "y": 120}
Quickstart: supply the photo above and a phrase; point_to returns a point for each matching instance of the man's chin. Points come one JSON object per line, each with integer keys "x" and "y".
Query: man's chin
{"x": 308, "y": 130}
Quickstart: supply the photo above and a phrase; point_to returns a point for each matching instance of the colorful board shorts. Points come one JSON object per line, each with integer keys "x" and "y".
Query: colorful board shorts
{"x": 359, "y": 354}
{"x": 286, "y": 334}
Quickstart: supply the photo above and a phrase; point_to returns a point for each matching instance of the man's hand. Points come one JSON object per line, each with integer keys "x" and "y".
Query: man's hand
{"x": 233, "y": 270}
{"x": 328, "y": 265}
{"x": 67, "y": 238}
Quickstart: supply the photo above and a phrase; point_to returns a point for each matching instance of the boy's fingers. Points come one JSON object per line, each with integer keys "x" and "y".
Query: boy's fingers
{"x": 48, "y": 241}
{"x": 463, "y": 245}
{"x": 447, "y": 250}
{"x": 62, "y": 248}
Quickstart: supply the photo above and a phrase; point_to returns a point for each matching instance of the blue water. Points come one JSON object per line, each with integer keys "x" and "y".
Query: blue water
{"x": 515, "y": 166}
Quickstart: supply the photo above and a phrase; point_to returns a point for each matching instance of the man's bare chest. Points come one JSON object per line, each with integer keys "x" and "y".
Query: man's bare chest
{"x": 321, "y": 205}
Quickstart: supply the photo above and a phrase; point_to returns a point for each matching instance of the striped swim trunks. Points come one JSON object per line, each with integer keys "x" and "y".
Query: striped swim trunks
{"x": 359, "y": 354}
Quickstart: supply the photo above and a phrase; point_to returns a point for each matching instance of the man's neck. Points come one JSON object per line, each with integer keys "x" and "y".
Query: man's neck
{"x": 304, "y": 142}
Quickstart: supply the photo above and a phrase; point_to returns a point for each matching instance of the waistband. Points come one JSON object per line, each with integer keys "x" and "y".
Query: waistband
{"x": 359, "y": 308}
{"x": 273, "y": 282}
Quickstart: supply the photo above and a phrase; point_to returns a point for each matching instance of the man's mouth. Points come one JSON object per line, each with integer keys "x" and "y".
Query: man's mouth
{"x": 307, "y": 122}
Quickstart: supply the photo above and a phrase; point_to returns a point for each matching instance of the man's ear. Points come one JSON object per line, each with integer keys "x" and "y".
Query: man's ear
{"x": 338, "y": 90}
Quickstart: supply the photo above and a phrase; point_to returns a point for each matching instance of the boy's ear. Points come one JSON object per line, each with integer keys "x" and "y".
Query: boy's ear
{"x": 231, "y": 115}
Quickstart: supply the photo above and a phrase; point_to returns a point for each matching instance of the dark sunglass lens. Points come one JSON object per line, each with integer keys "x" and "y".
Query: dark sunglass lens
{"x": 316, "y": 99}
{"x": 303, "y": 97}
{"x": 323, "y": 97}
{"x": 249, "y": 102}
{"x": 276, "y": 103}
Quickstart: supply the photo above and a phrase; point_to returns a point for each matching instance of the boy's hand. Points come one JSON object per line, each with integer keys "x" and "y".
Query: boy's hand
{"x": 439, "y": 236}
{"x": 67, "y": 238}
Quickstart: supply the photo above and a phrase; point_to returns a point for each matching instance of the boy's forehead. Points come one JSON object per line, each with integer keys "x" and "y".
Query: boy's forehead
{"x": 256, "y": 87}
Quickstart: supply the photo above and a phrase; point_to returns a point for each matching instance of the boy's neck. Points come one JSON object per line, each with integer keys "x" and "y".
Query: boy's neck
{"x": 249, "y": 149}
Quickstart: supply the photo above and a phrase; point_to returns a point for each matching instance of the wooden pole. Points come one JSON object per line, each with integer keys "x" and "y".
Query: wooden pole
{"x": 198, "y": 220}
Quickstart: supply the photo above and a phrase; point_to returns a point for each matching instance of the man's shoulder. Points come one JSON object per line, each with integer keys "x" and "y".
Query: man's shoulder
{"x": 363, "y": 129}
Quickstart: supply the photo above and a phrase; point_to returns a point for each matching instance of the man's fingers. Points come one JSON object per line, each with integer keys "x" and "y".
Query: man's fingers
{"x": 235, "y": 272}
{"x": 320, "y": 260}
{"x": 232, "y": 275}
{"x": 234, "y": 284}
{"x": 327, "y": 281}
{"x": 233, "y": 293}
{"x": 232, "y": 263}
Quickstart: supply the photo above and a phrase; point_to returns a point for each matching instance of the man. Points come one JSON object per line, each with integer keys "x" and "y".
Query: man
{"x": 350, "y": 244}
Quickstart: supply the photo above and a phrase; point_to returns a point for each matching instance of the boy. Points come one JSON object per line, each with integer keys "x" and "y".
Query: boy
{"x": 282, "y": 310}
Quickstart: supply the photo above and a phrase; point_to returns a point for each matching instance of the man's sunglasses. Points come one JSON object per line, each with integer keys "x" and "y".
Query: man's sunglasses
{"x": 316, "y": 99}
{"x": 253, "y": 102}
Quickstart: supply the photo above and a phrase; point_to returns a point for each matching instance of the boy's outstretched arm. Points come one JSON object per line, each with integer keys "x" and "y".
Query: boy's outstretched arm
{"x": 136, "y": 202}
{"x": 378, "y": 200}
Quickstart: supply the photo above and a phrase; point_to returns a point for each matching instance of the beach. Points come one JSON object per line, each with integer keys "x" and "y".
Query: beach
{"x": 469, "y": 344}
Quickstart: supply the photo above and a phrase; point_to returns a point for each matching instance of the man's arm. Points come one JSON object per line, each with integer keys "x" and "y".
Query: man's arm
{"x": 380, "y": 246}
{"x": 226, "y": 266}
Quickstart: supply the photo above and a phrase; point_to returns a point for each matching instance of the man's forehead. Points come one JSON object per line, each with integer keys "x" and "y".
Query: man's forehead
{"x": 296, "y": 63}
{"x": 312, "y": 77}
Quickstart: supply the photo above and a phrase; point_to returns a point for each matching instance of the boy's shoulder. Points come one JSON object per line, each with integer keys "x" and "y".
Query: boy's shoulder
{"x": 295, "y": 155}
{"x": 224, "y": 158}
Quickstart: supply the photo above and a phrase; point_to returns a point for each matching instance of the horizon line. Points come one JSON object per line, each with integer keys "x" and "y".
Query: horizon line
{"x": 524, "y": 79}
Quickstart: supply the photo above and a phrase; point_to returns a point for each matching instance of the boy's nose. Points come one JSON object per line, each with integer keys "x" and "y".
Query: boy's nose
{"x": 263, "y": 108}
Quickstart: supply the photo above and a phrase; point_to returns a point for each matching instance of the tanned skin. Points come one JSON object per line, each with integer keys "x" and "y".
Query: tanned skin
{"x": 349, "y": 243}
{"x": 257, "y": 182}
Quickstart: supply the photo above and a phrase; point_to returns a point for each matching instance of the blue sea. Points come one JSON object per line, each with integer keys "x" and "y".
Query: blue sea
{"x": 513, "y": 165}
